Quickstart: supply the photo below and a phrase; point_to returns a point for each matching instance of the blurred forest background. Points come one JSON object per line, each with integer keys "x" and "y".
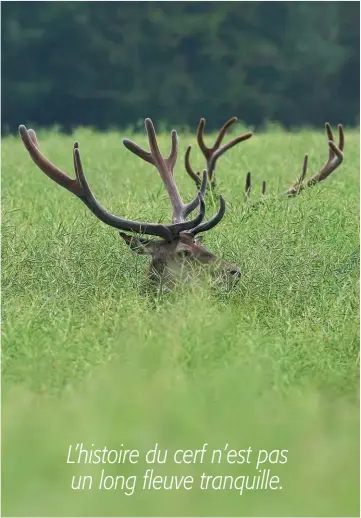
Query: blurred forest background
{"x": 111, "y": 64}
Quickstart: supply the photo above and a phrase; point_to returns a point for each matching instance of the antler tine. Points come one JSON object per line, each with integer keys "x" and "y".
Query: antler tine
{"x": 207, "y": 225}
{"x": 173, "y": 155}
{"x": 212, "y": 154}
{"x": 33, "y": 137}
{"x": 137, "y": 150}
{"x": 341, "y": 137}
{"x": 54, "y": 173}
{"x": 299, "y": 183}
{"x": 335, "y": 154}
{"x": 248, "y": 186}
{"x": 329, "y": 137}
{"x": 79, "y": 171}
{"x": 195, "y": 176}
{"x": 186, "y": 225}
{"x": 335, "y": 158}
{"x": 158, "y": 159}
{"x": 200, "y": 137}
{"x": 223, "y": 131}
{"x": 154, "y": 153}
{"x": 76, "y": 146}
{"x": 194, "y": 203}
{"x": 297, "y": 187}
{"x": 304, "y": 170}
{"x": 153, "y": 143}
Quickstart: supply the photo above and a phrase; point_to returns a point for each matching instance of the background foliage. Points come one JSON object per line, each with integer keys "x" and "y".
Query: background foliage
{"x": 113, "y": 63}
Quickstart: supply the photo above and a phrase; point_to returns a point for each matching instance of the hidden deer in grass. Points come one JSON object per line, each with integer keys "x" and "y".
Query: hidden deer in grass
{"x": 177, "y": 248}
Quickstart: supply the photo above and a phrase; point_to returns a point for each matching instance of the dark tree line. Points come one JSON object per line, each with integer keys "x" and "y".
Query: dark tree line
{"x": 110, "y": 64}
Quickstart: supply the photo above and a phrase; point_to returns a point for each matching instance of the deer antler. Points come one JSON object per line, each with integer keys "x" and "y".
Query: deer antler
{"x": 165, "y": 168}
{"x": 80, "y": 187}
{"x": 207, "y": 225}
{"x": 213, "y": 153}
{"x": 248, "y": 187}
{"x": 335, "y": 158}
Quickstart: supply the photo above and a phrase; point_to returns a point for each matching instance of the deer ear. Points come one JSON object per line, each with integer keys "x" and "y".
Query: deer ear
{"x": 199, "y": 240}
{"x": 137, "y": 244}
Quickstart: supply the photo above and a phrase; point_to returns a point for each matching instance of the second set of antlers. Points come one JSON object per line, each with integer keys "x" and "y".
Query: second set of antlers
{"x": 211, "y": 155}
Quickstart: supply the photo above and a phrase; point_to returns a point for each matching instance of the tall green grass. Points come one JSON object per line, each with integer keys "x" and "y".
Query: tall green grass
{"x": 91, "y": 355}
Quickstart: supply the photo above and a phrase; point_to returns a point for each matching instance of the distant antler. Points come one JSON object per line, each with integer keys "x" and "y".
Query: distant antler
{"x": 248, "y": 187}
{"x": 213, "y": 153}
{"x": 335, "y": 158}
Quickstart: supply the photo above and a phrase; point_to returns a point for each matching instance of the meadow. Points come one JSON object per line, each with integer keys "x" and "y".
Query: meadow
{"x": 90, "y": 356}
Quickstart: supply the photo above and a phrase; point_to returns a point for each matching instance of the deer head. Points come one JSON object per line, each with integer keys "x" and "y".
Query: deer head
{"x": 178, "y": 247}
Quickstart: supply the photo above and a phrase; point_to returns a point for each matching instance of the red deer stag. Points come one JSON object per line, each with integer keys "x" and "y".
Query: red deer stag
{"x": 179, "y": 244}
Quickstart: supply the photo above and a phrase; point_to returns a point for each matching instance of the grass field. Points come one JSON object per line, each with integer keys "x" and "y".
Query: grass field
{"x": 89, "y": 356}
